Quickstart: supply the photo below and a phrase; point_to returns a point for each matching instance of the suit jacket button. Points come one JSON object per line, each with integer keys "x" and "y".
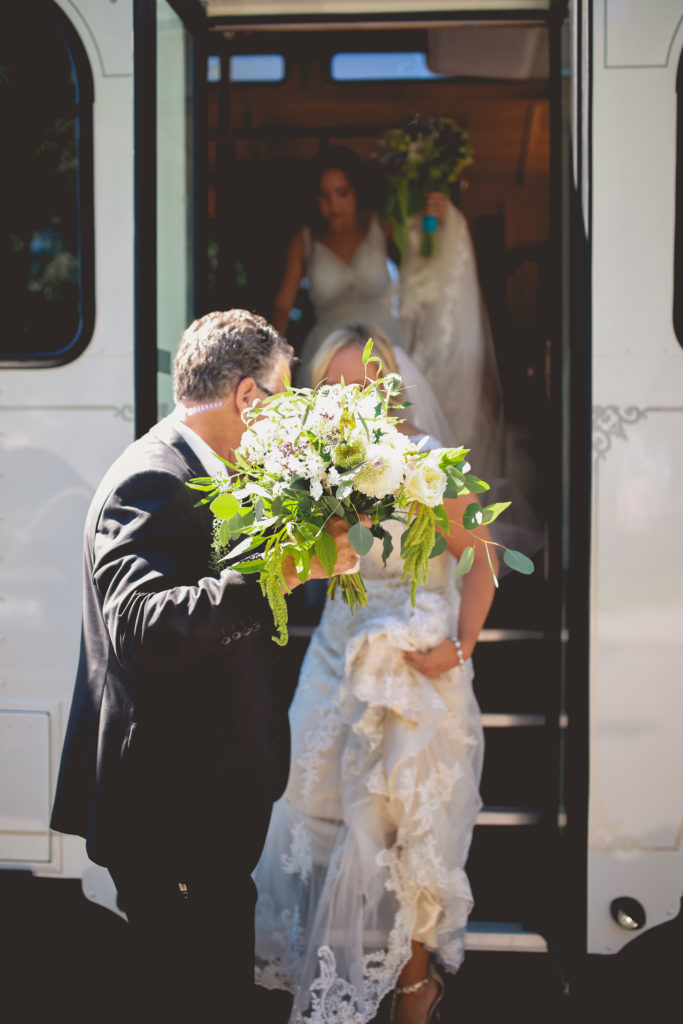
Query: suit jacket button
{"x": 236, "y": 635}
{"x": 225, "y": 639}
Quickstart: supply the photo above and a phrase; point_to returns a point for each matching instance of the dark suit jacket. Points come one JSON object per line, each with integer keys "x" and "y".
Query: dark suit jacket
{"x": 178, "y": 741}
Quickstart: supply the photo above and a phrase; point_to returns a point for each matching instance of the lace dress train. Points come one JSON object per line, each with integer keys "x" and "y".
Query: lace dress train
{"x": 367, "y": 848}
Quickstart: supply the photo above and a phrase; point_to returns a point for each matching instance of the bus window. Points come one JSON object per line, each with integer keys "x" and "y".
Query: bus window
{"x": 257, "y": 67}
{"x": 46, "y": 214}
{"x": 368, "y": 67}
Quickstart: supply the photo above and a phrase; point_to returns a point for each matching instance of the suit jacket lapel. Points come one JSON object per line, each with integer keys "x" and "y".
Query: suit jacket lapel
{"x": 167, "y": 432}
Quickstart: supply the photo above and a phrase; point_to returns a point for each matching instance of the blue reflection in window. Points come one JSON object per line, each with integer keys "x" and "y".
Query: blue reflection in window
{"x": 257, "y": 67}
{"x": 213, "y": 68}
{"x": 363, "y": 67}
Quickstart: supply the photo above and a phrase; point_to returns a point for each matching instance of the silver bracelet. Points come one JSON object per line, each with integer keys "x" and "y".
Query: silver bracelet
{"x": 458, "y": 646}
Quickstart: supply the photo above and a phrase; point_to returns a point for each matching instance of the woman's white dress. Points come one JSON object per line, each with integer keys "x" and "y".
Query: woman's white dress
{"x": 436, "y": 319}
{"x": 367, "y": 848}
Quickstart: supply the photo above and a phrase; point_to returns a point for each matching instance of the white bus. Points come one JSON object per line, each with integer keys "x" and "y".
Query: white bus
{"x": 151, "y": 148}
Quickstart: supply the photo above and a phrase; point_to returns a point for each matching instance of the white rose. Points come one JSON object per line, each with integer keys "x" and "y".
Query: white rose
{"x": 425, "y": 481}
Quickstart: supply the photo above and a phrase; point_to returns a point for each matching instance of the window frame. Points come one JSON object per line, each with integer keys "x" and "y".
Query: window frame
{"x": 83, "y": 107}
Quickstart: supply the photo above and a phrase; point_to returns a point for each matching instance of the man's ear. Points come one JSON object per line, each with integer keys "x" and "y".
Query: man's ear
{"x": 245, "y": 393}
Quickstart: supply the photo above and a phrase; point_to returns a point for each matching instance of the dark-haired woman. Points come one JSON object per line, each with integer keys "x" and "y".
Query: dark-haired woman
{"x": 434, "y": 317}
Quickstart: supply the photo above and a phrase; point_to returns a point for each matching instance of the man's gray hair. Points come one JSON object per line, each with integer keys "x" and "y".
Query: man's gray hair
{"x": 220, "y": 349}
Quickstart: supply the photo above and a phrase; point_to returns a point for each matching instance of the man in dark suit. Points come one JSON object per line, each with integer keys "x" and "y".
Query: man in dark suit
{"x": 178, "y": 742}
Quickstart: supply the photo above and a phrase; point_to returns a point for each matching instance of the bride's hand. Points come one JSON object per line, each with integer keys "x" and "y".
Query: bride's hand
{"x": 435, "y": 661}
{"x": 436, "y": 205}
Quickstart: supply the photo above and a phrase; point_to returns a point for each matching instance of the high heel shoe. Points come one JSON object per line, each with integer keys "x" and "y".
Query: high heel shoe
{"x": 433, "y": 1013}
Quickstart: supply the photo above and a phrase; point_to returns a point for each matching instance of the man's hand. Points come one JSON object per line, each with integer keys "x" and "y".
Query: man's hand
{"x": 347, "y": 556}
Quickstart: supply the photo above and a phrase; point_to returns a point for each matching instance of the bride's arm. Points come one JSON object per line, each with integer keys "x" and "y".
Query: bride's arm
{"x": 295, "y": 265}
{"x": 476, "y": 595}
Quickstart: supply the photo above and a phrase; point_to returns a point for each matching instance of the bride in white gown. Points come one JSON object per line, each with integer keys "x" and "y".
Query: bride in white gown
{"x": 362, "y": 886}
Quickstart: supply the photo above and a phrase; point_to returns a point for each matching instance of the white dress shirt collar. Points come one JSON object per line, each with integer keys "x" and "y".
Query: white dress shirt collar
{"x": 213, "y": 465}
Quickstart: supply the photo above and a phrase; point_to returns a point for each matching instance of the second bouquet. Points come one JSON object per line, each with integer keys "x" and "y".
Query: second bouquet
{"x": 307, "y": 455}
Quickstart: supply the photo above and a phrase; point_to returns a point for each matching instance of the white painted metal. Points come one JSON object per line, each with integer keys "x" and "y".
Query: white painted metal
{"x": 61, "y": 428}
{"x": 175, "y": 256}
{"x": 636, "y": 756}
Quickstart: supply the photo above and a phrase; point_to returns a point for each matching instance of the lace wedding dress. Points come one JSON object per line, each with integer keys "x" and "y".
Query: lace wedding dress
{"x": 367, "y": 848}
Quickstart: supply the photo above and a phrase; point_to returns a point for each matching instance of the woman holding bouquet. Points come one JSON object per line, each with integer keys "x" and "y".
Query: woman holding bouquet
{"x": 362, "y": 881}
{"x": 436, "y": 319}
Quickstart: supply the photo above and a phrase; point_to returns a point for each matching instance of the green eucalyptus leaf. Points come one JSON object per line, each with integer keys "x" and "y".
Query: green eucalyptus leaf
{"x": 276, "y": 506}
{"x": 465, "y": 562}
{"x": 455, "y": 477}
{"x": 473, "y": 516}
{"x": 517, "y": 561}
{"x": 491, "y": 512}
{"x": 361, "y": 538}
{"x": 475, "y": 485}
{"x": 225, "y": 506}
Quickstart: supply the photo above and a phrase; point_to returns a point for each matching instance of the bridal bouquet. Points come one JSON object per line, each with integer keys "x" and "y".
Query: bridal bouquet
{"x": 308, "y": 454}
{"x": 419, "y": 158}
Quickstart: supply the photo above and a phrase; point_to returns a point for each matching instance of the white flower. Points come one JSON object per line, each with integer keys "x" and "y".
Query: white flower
{"x": 316, "y": 489}
{"x": 382, "y": 473}
{"x": 425, "y": 481}
{"x": 333, "y": 476}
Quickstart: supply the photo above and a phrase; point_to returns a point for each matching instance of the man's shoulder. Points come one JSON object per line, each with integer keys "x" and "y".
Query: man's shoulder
{"x": 161, "y": 451}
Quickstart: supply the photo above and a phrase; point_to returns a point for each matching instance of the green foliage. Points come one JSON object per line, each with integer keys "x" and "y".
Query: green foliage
{"x": 361, "y": 538}
{"x": 326, "y": 550}
{"x": 419, "y": 158}
{"x": 268, "y": 511}
{"x": 517, "y": 561}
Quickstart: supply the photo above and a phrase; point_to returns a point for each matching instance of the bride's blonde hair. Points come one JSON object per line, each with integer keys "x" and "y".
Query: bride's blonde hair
{"x": 353, "y": 336}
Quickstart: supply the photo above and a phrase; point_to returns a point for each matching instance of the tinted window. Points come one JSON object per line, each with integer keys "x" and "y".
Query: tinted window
{"x": 366, "y": 67}
{"x": 46, "y": 270}
{"x": 257, "y": 67}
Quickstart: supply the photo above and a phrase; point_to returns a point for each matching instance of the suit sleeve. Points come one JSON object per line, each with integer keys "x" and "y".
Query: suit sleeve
{"x": 150, "y": 553}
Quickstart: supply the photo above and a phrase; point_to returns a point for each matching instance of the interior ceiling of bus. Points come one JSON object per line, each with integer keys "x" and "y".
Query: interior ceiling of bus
{"x": 485, "y": 49}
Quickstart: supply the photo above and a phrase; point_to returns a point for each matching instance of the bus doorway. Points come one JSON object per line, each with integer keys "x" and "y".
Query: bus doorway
{"x": 276, "y": 97}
